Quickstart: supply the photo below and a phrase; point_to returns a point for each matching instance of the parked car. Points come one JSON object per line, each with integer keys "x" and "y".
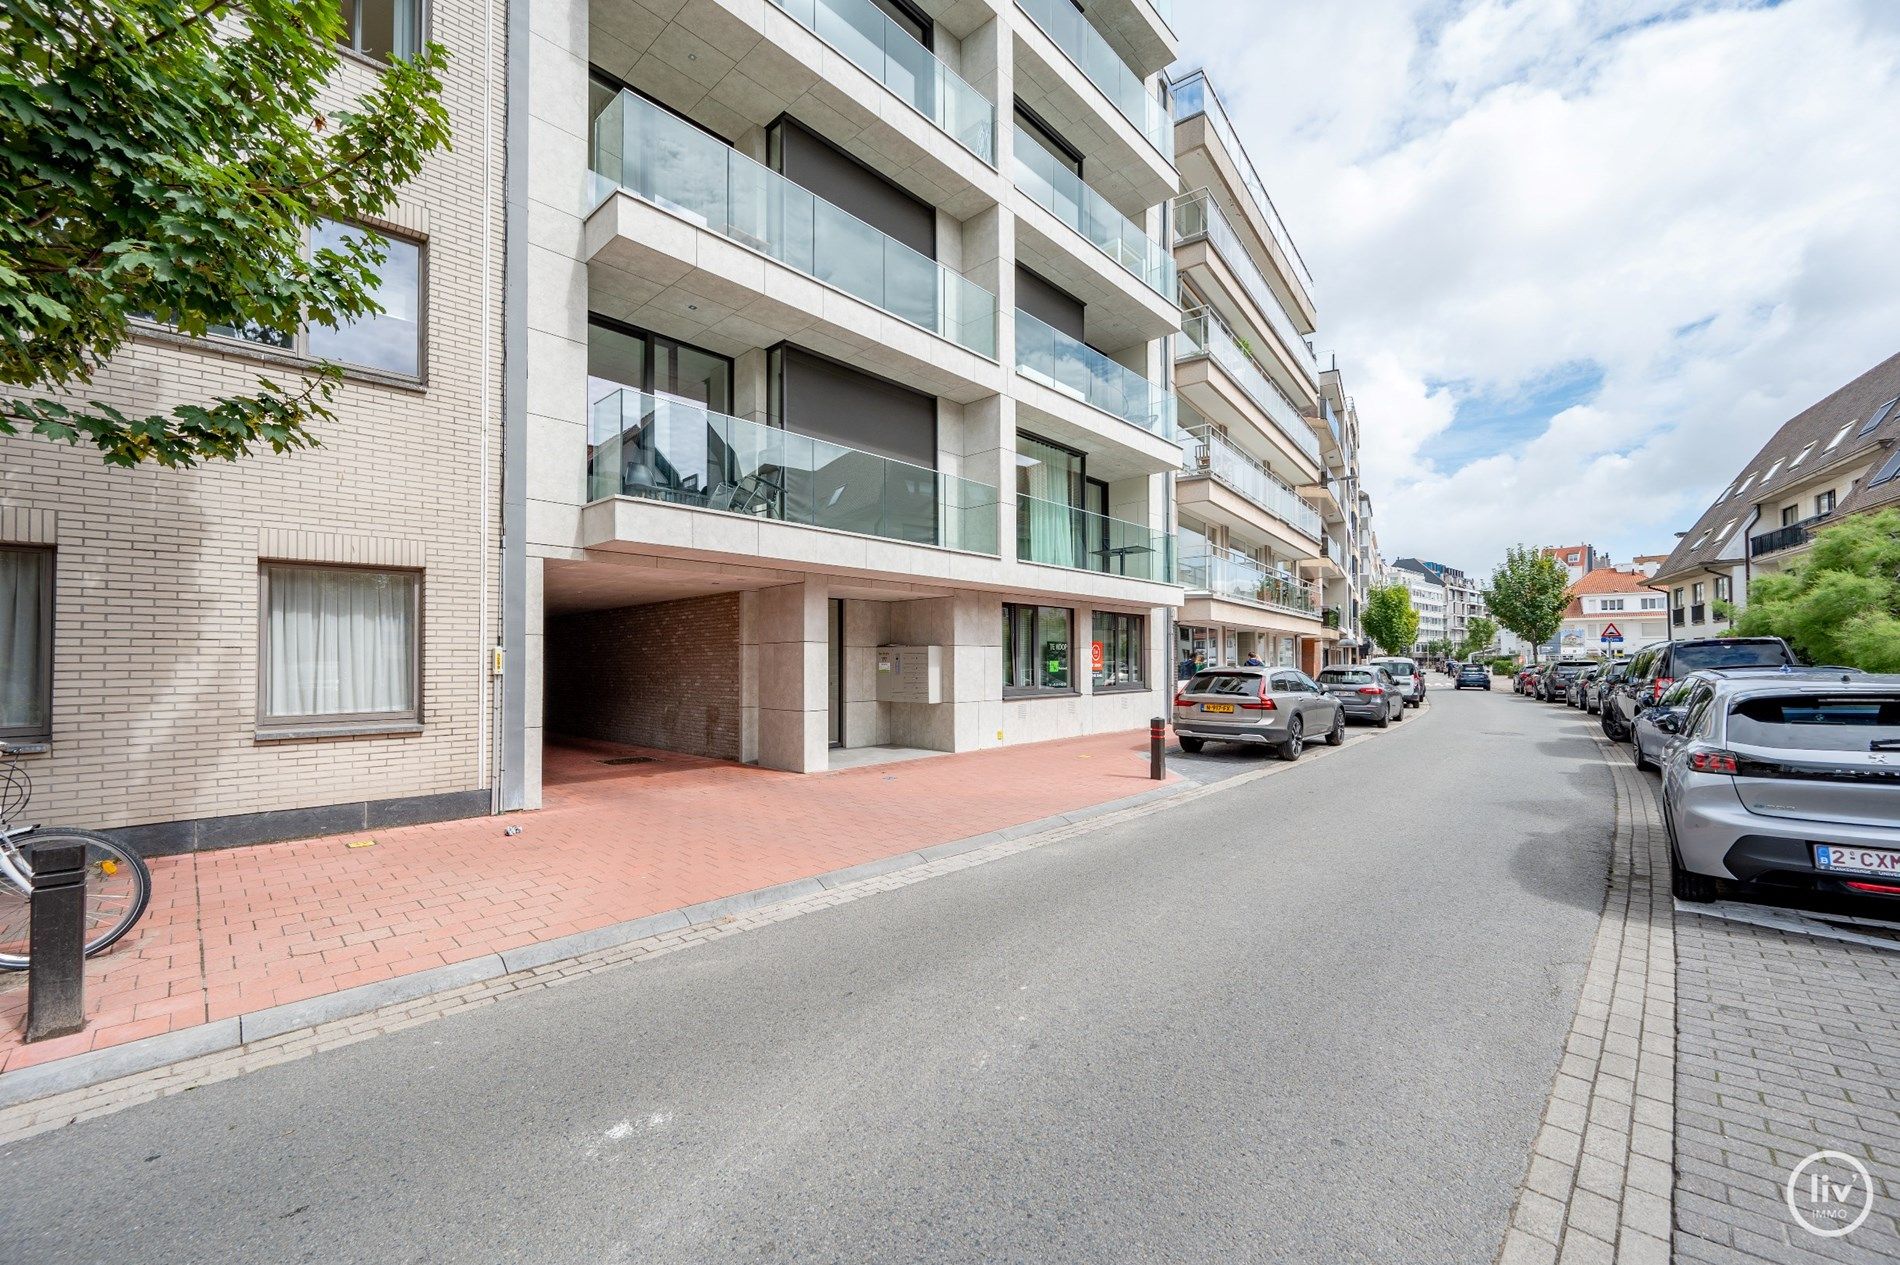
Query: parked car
{"x": 1656, "y": 667}
{"x": 1573, "y": 696}
{"x": 1524, "y": 680}
{"x": 1275, "y": 707}
{"x": 1555, "y": 682}
{"x": 1365, "y": 690}
{"x": 1604, "y": 682}
{"x": 1475, "y": 675}
{"x": 1410, "y": 677}
{"x": 1787, "y": 779}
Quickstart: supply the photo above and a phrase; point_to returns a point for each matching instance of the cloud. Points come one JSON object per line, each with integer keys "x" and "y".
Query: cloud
{"x": 1698, "y": 200}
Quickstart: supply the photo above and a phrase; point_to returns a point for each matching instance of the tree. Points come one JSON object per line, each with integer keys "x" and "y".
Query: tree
{"x": 1527, "y": 594}
{"x": 1390, "y": 620}
{"x": 1840, "y": 604}
{"x": 169, "y": 160}
{"x": 1480, "y": 631}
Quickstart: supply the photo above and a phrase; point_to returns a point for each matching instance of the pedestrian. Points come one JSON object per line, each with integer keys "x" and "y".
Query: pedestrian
{"x": 1255, "y": 661}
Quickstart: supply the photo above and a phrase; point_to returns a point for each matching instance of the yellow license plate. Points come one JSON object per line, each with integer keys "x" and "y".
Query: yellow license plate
{"x": 1217, "y": 707}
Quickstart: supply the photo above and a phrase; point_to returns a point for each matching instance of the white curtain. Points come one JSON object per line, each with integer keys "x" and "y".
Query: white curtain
{"x": 20, "y": 630}
{"x": 340, "y": 642}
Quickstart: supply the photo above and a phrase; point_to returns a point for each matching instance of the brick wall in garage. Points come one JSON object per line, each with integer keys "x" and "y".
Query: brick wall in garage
{"x": 665, "y": 675}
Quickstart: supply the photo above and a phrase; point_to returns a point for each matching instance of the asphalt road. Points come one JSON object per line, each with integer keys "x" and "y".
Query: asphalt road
{"x": 1312, "y": 1018}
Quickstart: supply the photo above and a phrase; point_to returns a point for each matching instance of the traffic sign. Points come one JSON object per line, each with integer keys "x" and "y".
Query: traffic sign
{"x": 1610, "y": 633}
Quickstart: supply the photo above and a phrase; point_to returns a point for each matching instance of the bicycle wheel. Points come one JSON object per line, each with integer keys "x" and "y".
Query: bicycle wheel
{"x": 118, "y": 887}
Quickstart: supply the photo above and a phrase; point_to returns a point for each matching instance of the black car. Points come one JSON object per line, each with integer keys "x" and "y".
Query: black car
{"x": 1554, "y": 685}
{"x": 1476, "y": 675}
{"x": 1655, "y": 668}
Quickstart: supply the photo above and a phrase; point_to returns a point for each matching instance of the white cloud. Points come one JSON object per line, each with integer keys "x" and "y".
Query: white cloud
{"x": 1491, "y": 191}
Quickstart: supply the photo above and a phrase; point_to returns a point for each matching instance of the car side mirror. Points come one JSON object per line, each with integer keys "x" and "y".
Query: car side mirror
{"x": 1669, "y": 723}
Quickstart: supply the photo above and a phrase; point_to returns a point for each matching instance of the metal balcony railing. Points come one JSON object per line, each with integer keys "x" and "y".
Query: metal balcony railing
{"x": 1235, "y": 577}
{"x": 1069, "y": 536}
{"x": 656, "y": 447}
{"x": 1204, "y": 333}
{"x": 1790, "y": 537}
{"x": 656, "y": 155}
{"x": 1198, "y": 216}
{"x": 1209, "y": 453}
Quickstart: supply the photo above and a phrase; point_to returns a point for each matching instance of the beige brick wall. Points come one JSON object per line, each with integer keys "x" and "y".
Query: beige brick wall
{"x": 155, "y": 669}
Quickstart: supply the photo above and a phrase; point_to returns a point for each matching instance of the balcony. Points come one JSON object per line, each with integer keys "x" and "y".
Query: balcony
{"x": 888, "y": 53}
{"x": 1071, "y": 32}
{"x": 1047, "y": 355}
{"x": 1194, "y": 98}
{"x": 1236, "y": 578}
{"x": 672, "y": 451}
{"x": 662, "y": 159}
{"x": 1060, "y": 535}
{"x": 1698, "y": 613}
{"x": 1209, "y": 454}
{"x": 1793, "y": 536}
{"x": 1198, "y": 217}
{"x": 1204, "y": 334}
{"x": 1062, "y": 193}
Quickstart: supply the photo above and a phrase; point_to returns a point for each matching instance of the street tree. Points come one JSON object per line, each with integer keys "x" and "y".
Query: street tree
{"x": 169, "y": 160}
{"x": 1527, "y": 594}
{"x": 1840, "y": 604}
{"x": 1390, "y": 619}
{"x": 1479, "y": 634}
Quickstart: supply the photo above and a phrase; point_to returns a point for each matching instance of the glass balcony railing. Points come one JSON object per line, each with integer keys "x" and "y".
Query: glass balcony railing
{"x": 1238, "y": 578}
{"x": 663, "y": 449}
{"x": 1068, "y": 536}
{"x": 1198, "y": 216}
{"x": 1207, "y": 453}
{"x": 1071, "y": 31}
{"x": 1059, "y": 191}
{"x": 1193, "y": 95}
{"x": 892, "y": 56}
{"x": 1203, "y": 333}
{"x": 1049, "y": 356}
{"x": 656, "y": 155}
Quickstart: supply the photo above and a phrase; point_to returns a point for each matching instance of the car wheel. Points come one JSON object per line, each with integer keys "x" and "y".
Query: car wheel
{"x": 1688, "y": 886}
{"x": 1399, "y": 714}
{"x": 1295, "y": 741}
{"x": 1336, "y": 736}
{"x": 1192, "y": 746}
{"x": 1642, "y": 761}
{"x": 1385, "y": 718}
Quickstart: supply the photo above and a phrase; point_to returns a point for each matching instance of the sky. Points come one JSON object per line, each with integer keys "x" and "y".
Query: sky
{"x": 1578, "y": 258}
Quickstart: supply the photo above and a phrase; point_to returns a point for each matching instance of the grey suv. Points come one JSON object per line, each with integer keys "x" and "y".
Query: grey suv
{"x": 1273, "y": 707}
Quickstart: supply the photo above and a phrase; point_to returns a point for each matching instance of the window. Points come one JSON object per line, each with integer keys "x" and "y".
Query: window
{"x": 1727, "y": 527}
{"x": 1878, "y": 416}
{"x": 340, "y": 646}
{"x": 1788, "y": 513}
{"x": 1678, "y": 596}
{"x": 383, "y": 29}
{"x": 1721, "y": 588}
{"x": 1699, "y": 541}
{"x": 1824, "y": 502}
{"x": 1118, "y": 651}
{"x": 1652, "y": 603}
{"x": 1612, "y": 604}
{"x": 1770, "y": 472}
{"x": 26, "y": 643}
{"x": 1839, "y": 435}
{"x": 1801, "y": 456}
{"x": 1036, "y": 643}
{"x": 1887, "y": 472}
{"x": 1699, "y": 591}
{"x": 390, "y": 341}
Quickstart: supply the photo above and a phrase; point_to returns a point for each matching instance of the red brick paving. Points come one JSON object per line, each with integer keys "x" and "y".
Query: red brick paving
{"x": 244, "y": 929}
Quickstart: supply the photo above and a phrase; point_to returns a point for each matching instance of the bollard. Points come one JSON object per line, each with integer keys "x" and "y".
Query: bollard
{"x": 1157, "y": 754}
{"x": 56, "y": 975}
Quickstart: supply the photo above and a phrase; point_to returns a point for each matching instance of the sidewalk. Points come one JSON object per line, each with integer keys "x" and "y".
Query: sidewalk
{"x": 238, "y": 931}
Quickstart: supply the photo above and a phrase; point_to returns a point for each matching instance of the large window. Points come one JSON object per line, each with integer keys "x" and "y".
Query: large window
{"x": 341, "y": 647}
{"x": 1118, "y": 651}
{"x": 383, "y": 29}
{"x": 1037, "y": 642}
{"x": 26, "y": 643}
{"x": 390, "y": 341}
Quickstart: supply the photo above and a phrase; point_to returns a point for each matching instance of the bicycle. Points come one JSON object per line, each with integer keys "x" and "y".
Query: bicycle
{"x": 118, "y": 884}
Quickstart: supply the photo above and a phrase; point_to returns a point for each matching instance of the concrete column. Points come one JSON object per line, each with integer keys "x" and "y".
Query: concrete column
{"x": 533, "y": 685}
{"x": 787, "y": 632}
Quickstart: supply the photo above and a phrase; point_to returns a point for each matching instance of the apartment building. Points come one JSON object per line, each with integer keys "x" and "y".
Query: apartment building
{"x": 1611, "y": 610}
{"x": 285, "y": 646}
{"x": 1577, "y": 560}
{"x": 1839, "y": 456}
{"x": 1260, "y": 507}
{"x": 1427, "y": 590}
{"x": 847, "y": 407}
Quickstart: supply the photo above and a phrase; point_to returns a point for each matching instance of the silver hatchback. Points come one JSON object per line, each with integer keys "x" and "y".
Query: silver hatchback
{"x": 1280, "y": 708}
{"x": 1366, "y": 690}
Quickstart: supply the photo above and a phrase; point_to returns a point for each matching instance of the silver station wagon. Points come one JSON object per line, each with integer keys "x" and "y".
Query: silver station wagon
{"x": 1281, "y": 708}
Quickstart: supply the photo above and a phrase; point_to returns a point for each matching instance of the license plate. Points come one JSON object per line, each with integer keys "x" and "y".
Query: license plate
{"x": 1833, "y": 856}
{"x": 1217, "y": 707}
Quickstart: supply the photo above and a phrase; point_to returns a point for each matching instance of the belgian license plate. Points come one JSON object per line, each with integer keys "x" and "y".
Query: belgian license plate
{"x": 1834, "y": 856}
{"x": 1217, "y": 707}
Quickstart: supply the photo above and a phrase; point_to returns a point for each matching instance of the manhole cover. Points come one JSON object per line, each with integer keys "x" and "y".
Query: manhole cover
{"x": 629, "y": 759}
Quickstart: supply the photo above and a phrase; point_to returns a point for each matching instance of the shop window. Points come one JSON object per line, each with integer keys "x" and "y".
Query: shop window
{"x": 1117, "y": 651}
{"x": 1037, "y": 649}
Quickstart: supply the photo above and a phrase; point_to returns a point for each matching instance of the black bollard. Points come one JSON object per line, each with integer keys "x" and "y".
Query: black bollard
{"x": 1157, "y": 753}
{"x": 56, "y": 975}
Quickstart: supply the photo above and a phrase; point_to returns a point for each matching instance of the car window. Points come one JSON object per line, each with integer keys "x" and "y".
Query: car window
{"x": 1288, "y": 682}
{"x": 1678, "y": 693}
{"x": 1698, "y": 706}
{"x": 1817, "y": 722}
{"x": 1400, "y": 667}
{"x": 1730, "y": 654}
{"x": 1345, "y": 676}
{"x": 1224, "y": 683}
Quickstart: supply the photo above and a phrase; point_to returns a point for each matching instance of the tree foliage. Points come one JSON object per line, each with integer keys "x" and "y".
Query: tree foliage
{"x": 1390, "y": 620}
{"x": 1480, "y": 632}
{"x": 169, "y": 160}
{"x": 1840, "y": 604}
{"x": 1527, "y": 594}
